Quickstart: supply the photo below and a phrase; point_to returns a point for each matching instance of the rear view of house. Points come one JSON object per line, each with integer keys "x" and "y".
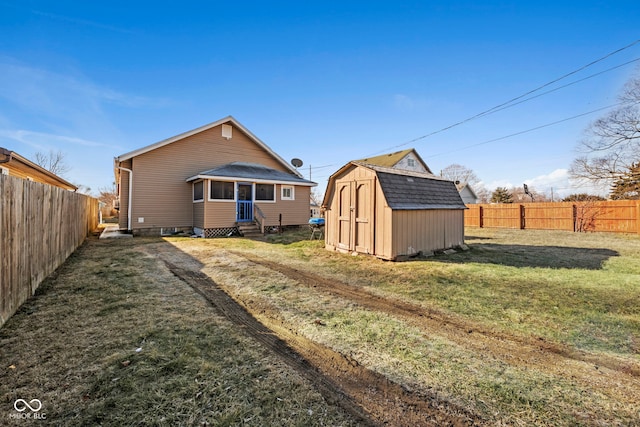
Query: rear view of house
{"x": 209, "y": 181}
{"x": 390, "y": 212}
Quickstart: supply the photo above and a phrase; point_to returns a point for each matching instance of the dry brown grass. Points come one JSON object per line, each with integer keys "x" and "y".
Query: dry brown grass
{"x": 569, "y": 300}
{"x": 113, "y": 338}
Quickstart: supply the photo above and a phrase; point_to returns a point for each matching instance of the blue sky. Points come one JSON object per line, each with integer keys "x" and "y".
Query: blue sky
{"x": 326, "y": 81}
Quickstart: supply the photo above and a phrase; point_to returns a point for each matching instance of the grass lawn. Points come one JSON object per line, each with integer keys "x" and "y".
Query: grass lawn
{"x": 524, "y": 328}
{"x": 113, "y": 338}
{"x": 563, "y": 307}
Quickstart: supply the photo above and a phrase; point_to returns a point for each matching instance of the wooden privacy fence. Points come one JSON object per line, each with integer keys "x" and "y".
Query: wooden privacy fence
{"x": 616, "y": 216}
{"x": 40, "y": 226}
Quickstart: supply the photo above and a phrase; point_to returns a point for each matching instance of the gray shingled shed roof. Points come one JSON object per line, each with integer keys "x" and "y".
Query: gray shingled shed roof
{"x": 414, "y": 190}
{"x": 251, "y": 172}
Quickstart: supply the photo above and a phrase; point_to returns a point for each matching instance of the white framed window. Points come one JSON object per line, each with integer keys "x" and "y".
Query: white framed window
{"x": 198, "y": 191}
{"x": 411, "y": 163}
{"x": 287, "y": 192}
{"x": 265, "y": 193}
{"x": 222, "y": 190}
{"x": 4, "y": 171}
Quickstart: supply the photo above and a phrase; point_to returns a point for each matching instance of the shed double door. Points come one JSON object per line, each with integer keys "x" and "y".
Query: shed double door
{"x": 355, "y": 214}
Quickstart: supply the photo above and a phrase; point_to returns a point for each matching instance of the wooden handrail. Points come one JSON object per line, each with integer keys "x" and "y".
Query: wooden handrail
{"x": 259, "y": 217}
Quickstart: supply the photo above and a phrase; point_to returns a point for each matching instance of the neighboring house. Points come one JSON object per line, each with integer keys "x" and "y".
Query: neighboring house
{"x": 314, "y": 210}
{"x": 11, "y": 163}
{"x": 210, "y": 181}
{"x": 467, "y": 194}
{"x": 391, "y": 213}
{"x": 408, "y": 160}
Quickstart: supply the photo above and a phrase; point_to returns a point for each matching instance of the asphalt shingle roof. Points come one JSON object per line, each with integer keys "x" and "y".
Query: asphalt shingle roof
{"x": 415, "y": 190}
{"x": 248, "y": 171}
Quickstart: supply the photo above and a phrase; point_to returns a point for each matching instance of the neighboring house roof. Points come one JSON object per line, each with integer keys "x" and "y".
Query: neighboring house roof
{"x": 409, "y": 190}
{"x": 391, "y": 159}
{"x": 251, "y": 171}
{"x": 24, "y": 168}
{"x": 462, "y": 188}
{"x": 228, "y": 119}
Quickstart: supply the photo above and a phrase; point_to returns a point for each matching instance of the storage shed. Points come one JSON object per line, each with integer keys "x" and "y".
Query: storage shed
{"x": 391, "y": 213}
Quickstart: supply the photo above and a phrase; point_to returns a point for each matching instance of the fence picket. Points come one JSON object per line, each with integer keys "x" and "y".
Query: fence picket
{"x": 40, "y": 226}
{"x": 613, "y": 216}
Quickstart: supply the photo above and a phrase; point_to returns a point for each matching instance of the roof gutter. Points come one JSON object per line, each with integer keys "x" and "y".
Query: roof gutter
{"x": 129, "y": 202}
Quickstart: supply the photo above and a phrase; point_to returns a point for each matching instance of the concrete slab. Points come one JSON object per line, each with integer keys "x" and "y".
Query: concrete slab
{"x": 113, "y": 232}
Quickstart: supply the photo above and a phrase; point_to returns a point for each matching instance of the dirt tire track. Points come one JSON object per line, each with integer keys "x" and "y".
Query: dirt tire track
{"x": 368, "y": 396}
{"x": 516, "y": 350}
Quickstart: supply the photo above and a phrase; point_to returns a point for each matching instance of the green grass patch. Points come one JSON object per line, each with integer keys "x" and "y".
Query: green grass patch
{"x": 575, "y": 290}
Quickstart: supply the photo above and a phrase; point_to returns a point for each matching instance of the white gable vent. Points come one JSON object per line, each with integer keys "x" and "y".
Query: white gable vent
{"x": 227, "y": 131}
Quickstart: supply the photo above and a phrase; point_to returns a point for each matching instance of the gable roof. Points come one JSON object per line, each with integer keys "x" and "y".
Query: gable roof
{"x": 253, "y": 172}
{"x": 23, "y": 167}
{"x": 391, "y": 159}
{"x": 467, "y": 187}
{"x": 409, "y": 190}
{"x": 228, "y": 119}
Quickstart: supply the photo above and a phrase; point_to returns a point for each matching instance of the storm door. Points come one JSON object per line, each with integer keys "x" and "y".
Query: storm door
{"x": 244, "y": 209}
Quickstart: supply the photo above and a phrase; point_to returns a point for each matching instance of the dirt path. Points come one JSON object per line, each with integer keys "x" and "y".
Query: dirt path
{"x": 367, "y": 395}
{"x": 607, "y": 373}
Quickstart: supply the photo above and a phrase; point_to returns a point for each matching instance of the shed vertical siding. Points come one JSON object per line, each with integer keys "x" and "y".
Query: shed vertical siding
{"x": 350, "y": 215}
{"x": 426, "y": 230}
{"x": 359, "y": 218}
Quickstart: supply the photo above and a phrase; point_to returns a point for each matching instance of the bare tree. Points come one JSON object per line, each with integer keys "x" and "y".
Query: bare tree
{"x": 612, "y": 144}
{"x": 53, "y": 161}
{"x": 108, "y": 195}
{"x": 462, "y": 176}
{"x": 518, "y": 194}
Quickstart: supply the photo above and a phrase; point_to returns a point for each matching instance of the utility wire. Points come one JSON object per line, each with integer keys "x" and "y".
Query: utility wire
{"x": 531, "y": 129}
{"x": 565, "y": 85}
{"x": 513, "y": 100}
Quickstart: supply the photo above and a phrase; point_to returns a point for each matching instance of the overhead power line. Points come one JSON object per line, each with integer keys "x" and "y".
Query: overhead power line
{"x": 532, "y": 129}
{"x": 508, "y": 103}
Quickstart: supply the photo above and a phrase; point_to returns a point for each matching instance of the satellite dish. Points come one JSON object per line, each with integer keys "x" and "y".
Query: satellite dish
{"x": 296, "y": 162}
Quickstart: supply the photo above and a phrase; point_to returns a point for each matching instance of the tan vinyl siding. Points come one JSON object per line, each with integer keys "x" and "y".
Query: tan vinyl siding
{"x": 161, "y": 194}
{"x": 220, "y": 214}
{"x": 294, "y": 212}
{"x": 198, "y": 214}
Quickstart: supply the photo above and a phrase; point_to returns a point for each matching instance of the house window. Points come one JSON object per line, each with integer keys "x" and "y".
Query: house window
{"x": 265, "y": 192}
{"x": 198, "y": 191}
{"x": 221, "y": 190}
{"x": 287, "y": 192}
{"x": 411, "y": 163}
{"x": 4, "y": 171}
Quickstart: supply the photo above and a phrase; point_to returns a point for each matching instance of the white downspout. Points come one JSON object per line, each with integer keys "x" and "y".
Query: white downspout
{"x": 130, "y": 194}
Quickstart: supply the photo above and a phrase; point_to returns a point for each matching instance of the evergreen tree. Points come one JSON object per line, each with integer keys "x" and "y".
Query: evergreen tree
{"x": 501, "y": 195}
{"x": 627, "y": 186}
